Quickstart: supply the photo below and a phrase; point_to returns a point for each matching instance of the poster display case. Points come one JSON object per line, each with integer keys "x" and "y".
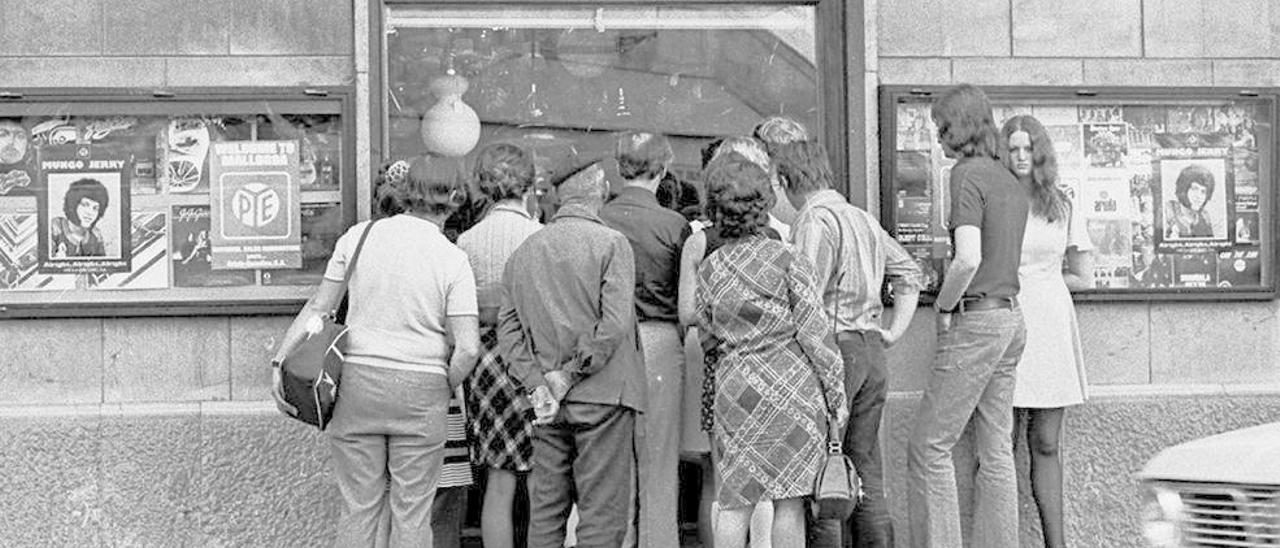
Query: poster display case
{"x": 1175, "y": 185}
{"x": 182, "y": 202}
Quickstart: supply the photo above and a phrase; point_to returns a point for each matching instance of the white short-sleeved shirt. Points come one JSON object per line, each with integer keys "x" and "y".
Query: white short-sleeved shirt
{"x": 408, "y": 280}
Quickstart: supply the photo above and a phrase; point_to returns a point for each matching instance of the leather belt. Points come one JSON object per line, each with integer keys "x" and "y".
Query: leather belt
{"x": 985, "y": 303}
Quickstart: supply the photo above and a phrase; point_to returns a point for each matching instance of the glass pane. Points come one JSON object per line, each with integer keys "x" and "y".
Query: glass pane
{"x": 563, "y": 79}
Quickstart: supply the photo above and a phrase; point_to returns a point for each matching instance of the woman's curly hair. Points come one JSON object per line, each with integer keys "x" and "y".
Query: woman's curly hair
{"x": 739, "y": 196}
{"x": 432, "y": 184}
{"x": 504, "y": 171}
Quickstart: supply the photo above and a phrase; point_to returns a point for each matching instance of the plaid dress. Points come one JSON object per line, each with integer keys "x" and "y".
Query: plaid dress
{"x": 758, "y": 307}
{"x": 501, "y": 418}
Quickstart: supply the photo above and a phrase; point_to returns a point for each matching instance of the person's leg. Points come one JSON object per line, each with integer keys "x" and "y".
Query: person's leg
{"x": 966, "y": 356}
{"x": 496, "y": 527}
{"x": 359, "y": 466}
{"x": 447, "y": 513}
{"x": 660, "y": 454}
{"x": 1044, "y": 440}
{"x": 359, "y": 454}
{"x": 995, "y": 484}
{"x": 788, "y": 522}
{"x": 414, "y": 461}
{"x": 706, "y": 495}
{"x": 731, "y": 526}
{"x": 602, "y": 472}
{"x": 870, "y": 526}
{"x": 550, "y": 484}
{"x": 761, "y": 527}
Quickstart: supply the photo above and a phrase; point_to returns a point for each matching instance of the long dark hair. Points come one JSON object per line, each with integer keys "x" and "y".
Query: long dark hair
{"x": 965, "y": 125}
{"x": 1047, "y": 200}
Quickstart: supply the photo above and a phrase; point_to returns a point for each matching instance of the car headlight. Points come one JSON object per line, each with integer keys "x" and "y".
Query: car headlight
{"x": 1162, "y": 517}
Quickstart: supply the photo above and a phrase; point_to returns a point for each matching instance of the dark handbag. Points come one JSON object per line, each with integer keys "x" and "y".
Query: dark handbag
{"x": 838, "y": 489}
{"x": 311, "y": 371}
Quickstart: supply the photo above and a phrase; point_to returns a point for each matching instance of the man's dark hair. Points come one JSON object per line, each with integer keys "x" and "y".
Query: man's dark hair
{"x": 965, "y": 124}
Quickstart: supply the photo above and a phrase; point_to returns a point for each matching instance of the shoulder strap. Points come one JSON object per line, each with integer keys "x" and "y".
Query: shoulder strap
{"x": 832, "y": 435}
{"x": 339, "y": 313}
{"x": 838, "y": 262}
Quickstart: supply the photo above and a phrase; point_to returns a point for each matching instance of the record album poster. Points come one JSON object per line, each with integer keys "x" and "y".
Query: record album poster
{"x": 1195, "y": 187}
{"x": 1144, "y": 122}
{"x": 915, "y": 127}
{"x": 18, "y": 256}
{"x": 84, "y": 214}
{"x": 321, "y": 227}
{"x": 1101, "y": 114}
{"x": 149, "y": 247}
{"x": 1067, "y": 145}
{"x": 1112, "y": 244}
{"x": 256, "y": 217}
{"x": 1240, "y": 268}
{"x": 17, "y": 158}
{"x": 192, "y": 263}
{"x": 1105, "y": 145}
{"x": 1198, "y": 269}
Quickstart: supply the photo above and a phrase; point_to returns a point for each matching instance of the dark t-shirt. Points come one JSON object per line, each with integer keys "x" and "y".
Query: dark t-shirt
{"x": 657, "y": 235}
{"x": 986, "y": 195}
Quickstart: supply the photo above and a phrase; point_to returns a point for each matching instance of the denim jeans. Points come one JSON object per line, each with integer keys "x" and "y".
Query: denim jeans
{"x": 866, "y": 383}
{"x": 972, "y": 379}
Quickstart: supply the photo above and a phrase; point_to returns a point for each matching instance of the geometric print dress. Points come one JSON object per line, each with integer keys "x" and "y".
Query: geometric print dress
{"x": 772, "y": 356}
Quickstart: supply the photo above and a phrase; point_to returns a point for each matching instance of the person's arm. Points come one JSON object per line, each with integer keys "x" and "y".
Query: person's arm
{"x": 964, "y": 265}
{"x": 464, "y": 332}
{"x": 1079, "y": 273}
{"x": 814, "y": 335}
{"x": 462, "y": 324}
{"x": 513, "y": 338}
{"x": 690, "y": 257}
{"x": 903, "y": 272}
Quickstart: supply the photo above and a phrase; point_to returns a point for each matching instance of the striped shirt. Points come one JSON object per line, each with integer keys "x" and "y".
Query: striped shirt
{"x": 851, "y": 290}
{"x": 456, "y": 471}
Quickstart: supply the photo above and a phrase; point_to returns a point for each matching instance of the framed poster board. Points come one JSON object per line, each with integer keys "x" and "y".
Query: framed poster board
{"x": 1175, "y": 185}
{"x": 115, "y": 203}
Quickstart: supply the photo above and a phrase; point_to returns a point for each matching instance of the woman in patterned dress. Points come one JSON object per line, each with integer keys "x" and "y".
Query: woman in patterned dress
{"x": 500, "y": 418}
{"x": 761, "y": 320}
{"x": 1051, "y": 371}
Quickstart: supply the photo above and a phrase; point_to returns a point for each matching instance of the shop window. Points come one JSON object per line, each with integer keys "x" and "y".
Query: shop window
{"x": 562, "y": 80}
{"x": 187, "y": 204}
{"x": 1175, "y": 187}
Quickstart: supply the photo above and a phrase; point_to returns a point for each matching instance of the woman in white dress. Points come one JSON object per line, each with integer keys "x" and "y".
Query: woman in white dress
{"x": 1051, "y": 373}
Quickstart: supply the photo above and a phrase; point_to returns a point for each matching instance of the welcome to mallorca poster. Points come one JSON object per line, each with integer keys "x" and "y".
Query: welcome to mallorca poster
{"x": 256, "y": 217}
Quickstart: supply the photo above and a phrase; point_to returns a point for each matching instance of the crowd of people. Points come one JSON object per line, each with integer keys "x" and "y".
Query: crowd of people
{"x": 591, "y": 352}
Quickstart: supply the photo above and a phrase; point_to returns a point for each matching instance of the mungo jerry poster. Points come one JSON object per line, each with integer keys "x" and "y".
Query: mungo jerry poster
{"x": 84, "y": 210}
{"x": 255, "y": 221}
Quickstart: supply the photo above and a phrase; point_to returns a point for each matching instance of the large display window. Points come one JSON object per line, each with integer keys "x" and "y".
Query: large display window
{"x": 1175, "y": 186}
{"x": 188, "y": 202}
{"x": 562, "y": 79}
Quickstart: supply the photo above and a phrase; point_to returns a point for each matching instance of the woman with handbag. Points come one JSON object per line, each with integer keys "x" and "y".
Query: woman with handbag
{"x": 412, "y": 335}
{"x": 770, "y": 347}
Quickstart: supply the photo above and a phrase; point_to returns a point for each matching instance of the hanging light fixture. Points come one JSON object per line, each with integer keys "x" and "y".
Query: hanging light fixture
{"x": 451, "y": 127}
